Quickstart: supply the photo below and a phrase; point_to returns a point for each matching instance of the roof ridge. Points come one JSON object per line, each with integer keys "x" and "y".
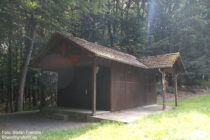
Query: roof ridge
{"x": 108, "y": 48}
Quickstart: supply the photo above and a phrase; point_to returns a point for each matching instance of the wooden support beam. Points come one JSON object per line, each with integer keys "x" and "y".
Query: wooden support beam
{"x": 94, "y": 87}
{"x": 56, "y": 91}
{"x": 175, "y": 88}
{"x": 164, "y": 88}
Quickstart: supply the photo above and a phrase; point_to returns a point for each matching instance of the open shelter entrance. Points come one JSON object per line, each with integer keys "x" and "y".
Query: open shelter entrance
{"x": 75, "y": 87}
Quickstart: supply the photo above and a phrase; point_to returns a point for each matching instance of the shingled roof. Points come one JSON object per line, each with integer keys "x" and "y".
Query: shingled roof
{"x": 162, "y": 61}
{"x": 106, "y": 52}
{"x": 159, "y": 61}
{"x": 100, "y": 50}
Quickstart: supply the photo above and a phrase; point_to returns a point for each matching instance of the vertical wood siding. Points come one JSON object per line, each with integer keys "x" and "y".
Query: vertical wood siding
{"x": 131, "y": 87}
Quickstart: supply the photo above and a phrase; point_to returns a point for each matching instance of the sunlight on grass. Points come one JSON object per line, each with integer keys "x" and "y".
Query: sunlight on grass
{"x": 190, "y": 121}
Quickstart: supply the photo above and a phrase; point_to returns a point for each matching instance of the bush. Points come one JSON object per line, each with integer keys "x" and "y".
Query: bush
{"x": 159, "y": 89}
{"x": 170, "y": 89}
{"x": 205, "y": 84}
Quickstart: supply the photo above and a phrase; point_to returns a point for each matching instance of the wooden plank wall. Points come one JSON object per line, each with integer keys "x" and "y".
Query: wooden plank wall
{"x": 131, "y": 87}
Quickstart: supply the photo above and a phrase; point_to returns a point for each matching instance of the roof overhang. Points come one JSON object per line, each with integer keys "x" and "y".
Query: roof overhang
{"x": 171, "y": 62}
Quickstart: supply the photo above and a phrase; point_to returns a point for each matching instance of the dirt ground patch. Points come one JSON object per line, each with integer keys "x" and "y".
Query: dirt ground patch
{"x": 185, "y": 94}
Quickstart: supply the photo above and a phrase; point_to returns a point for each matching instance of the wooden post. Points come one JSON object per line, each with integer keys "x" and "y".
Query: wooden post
{"x": 94, "y": 87}
{"x": 164, "y": 88}
{"x": 56, "y": 91}
{"x": 175, "y": 88}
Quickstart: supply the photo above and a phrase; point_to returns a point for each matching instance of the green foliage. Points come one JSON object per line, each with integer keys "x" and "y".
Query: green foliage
{"x": 31, "y": 108}
{"x": 159, "y": 89}
{"x": 205, "y": 84}
{"x": 170, "y": 89}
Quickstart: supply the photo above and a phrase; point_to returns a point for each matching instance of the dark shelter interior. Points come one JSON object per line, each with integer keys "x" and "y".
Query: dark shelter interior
{"x": 75, "y": 89}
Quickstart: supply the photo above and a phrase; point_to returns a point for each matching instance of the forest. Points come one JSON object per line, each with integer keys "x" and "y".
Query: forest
{"x": 138, "y": 27}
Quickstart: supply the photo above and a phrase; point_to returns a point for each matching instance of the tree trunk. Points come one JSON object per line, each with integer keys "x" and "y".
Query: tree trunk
{"x": 34, "y": 92}
{"x": 29, "y": 90}
{"x": 109, "y": 27}
{"x": 110, "y": 34}
{"x": 24, "y": 71}
{"x": 9, "y": 78}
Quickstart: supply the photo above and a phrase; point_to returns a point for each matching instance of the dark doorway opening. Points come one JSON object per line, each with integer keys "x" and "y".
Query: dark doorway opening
{"x": 78, "y": 92}
{"x": 103, "y": 88}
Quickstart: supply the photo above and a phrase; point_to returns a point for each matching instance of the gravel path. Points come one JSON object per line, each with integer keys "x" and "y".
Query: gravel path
{"x": 34, "y": 121}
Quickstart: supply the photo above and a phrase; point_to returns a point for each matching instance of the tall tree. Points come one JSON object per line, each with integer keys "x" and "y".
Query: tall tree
{"x": 25, "y": 69}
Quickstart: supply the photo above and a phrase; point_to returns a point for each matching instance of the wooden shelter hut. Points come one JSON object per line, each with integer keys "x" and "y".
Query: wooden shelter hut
{"x": 95, "y": 77}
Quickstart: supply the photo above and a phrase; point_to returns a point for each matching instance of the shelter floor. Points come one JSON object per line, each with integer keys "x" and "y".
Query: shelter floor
{"x": 84, "y": 111}
{"x": 124, "y": 116}
{"x": 35, "y": 121}
{"x": 130, "y": 115}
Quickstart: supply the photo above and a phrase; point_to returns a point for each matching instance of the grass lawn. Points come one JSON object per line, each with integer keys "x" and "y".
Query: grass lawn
{"x": 190, "y": 121}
